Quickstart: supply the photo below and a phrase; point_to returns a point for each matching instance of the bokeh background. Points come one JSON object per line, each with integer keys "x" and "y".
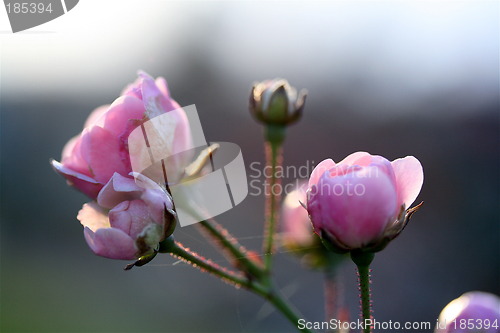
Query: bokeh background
{"x": 392, "y": 78}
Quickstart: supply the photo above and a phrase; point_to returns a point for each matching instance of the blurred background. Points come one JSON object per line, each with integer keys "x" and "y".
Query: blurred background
{"x": 391, "y": 78}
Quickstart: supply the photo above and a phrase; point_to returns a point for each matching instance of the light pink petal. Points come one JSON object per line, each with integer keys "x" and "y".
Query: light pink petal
{"x": 481, "y": 305}
{"x": 72, "y": 157}
{"x": 157, "y": 201}
{"x": 181, "y": 147}
{"x": 355, "y": 208}
{"x": 131, "y": 217}
{"x": 161, "y": 83}
{"x": 297, "y": 229}
{"x": 68, "y": 147}
{"x": 93, "y": 217}
{"x": 119, "y": 119}
{"x": 473, "y": 306}
{"x": 101, "y": 150}
{"x": 83, "y": 183}
{"x": 383, "y": 165}
{"x": 360, "y": 158}
{"x": 183, "y": 139}
{"x": 111, "y": 243}
{"x": 409, "y": 179}
{"x": 67, "y": 171}
{"x": 342, "y": 169}
{"x": 133, "y": 89}
{"x": 119, "y": 217}
{"x": 319, "y": 170}
{"x": 152, "y": 97}
{"x": 118, "y": 189}
{"x": 124, "y": 184}
{"x": 144, "y": 182}
{"x": 155, "y": 102}
{"x": 364, "y": 159}
{"x": 95, "y": 117}
{"x": 169, "y": 136}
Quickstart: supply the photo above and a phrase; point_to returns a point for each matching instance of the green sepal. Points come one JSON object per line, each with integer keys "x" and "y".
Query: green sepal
{"x": 362, "y": 258}
{"x": 142, "y": 260}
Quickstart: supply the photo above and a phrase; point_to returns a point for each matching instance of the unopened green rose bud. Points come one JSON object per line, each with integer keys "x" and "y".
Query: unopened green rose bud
{"x": 275, "y": 102}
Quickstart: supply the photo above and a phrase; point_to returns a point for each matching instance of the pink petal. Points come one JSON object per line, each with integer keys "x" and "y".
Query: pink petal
{"x": 183, "y": 139}
{"x": 157, "y": 201}
{"x": 409, "y": 179}
{"x": 360, "y": 158}
{"x": 93, "y": 217}
{"x": 72, "y": 157}
{"x": 95, "y": 117}
{"x": 119, "y": 217}
{"x": 83, "y": 183}
{"x": 133, "y": 89}
{"x": 131, "y": 217}
{"x": 297, "y": 229}
{"x": 365, "y": 159}
{"x": 169, "y": 138}
{"x": 155, "y": 102}
{"x": 118, "y": 118}
{"x": 161, "y": 83}
{"x": 144, "y": 182}
{"x": 319, "y": 170}
{"x": 69, "y": 147}
{"x": 118, "y": 189}
{"x": 156, "y": 197}
{"x": 101, "y": 150}
{"x": 382, "y": 165}
{"x": 181, "y": 147}
{"x": 111, "y": 243}
{"x": 354, "y": 207}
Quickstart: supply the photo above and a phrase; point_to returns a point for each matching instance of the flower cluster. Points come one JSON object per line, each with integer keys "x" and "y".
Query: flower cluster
{"x": 124, "y": 220}
{"x": 355, "y": 206}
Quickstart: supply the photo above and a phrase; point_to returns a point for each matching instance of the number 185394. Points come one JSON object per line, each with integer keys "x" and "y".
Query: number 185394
{"x": 28, "y": 8}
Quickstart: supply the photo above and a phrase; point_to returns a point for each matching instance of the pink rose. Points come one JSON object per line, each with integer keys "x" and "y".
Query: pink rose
{"x": 90, "y": 159}
{"x": 361, "y": 201}
{"x": 127, "y": 221}
{"x": 474, "y": 311}
{"x": 296, "y": 227}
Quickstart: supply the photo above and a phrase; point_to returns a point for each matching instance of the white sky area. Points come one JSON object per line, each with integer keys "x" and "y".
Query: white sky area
{"x": 396, "y": 48}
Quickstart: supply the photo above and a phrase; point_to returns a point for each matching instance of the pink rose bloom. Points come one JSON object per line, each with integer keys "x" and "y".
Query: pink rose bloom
{"x": 360, "y": 202}
{"x": 296, "y": 227}
{"x": 479, "y": 309}
{"x": 90, "y": 159}
{"x": 128, "y": 220}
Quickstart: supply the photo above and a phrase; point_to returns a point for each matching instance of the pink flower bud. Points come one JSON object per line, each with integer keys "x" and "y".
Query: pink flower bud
{"x": 360, "y": 202}
{"x": 472, "y": 312}
{"x": 297, "y": 231}
{"x": 136, "y": 222}
{"x": 90, "y": 159}
{"x": 297, "y": 234}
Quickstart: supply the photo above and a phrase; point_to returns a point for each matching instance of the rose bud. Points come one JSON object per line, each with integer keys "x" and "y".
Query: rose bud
{"x": 474, "y": 311}
{"x": 90, "y": 159}
{"x": 275, "y": 102}
{"x": 297, "y": 232}
{"x": 361, "y": 202}
{"x": 127, "y": 221}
